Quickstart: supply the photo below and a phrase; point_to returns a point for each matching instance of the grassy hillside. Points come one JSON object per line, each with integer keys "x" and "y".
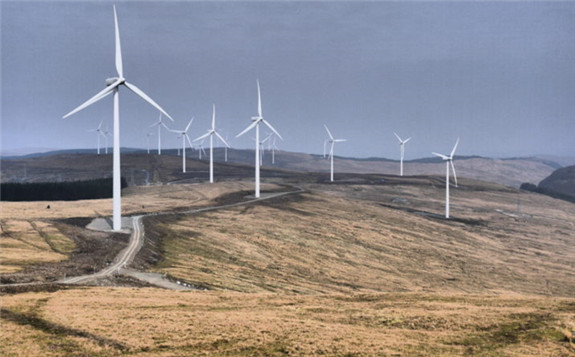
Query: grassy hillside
{"x": 343, "y": 238}
{"x": 365, "y": 266}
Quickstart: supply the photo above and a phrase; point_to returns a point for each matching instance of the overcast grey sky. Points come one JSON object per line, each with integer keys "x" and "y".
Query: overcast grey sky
{"x": 500, "y": 75}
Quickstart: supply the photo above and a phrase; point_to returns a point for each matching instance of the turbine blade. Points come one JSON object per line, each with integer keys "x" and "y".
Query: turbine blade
{"x": 203, "y": 136}
{"x": 119, "y": 66}
{"x": 189, "y": 124}
{"x": 222, "y": 139}
{"x": 144, "y": 96}
{"x": 272, "y": 128}
{"x": 328, "y": 132}
{"x": 189, "y": 142}
{"x": 453, "y": 169}
{"x": 339, "y": 140}
{"x": 259, "y": 100}
{"x": 406, "y": 140}
{"x": 441, "y": 156}
{"x": 250, "y": 127}
{"x": 331, "y": 150}
{"x": 398, "y": 138}
{"x": 103, "y": 93}
{"x": 455, "y": 147}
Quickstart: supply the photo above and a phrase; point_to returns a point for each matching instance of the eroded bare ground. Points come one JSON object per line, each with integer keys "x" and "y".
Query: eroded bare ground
{"x": 92, "y": 252}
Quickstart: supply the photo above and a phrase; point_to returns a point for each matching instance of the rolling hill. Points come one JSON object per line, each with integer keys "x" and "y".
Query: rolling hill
{"x": 139, "y": 168}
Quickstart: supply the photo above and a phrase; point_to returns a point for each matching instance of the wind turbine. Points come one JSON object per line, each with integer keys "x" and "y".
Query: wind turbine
{"x": 211, "y": 134}
{"x": 274, "y": 148}
{"x": 98, "y": 132}
{"x": 256, "y": 120}
{"x": 106, "y": 133}
{"x": 148, "y": 140}
{"x": 159, "y": 124}
{"x": 112, "y": 86}
{"x": 448, "y": 162}
{"x": 201, "y": 149}
{"x": 402, "y": 151}
{"x": 262, "y": 147}
{"x": 226, "y": 150}
{"x": 332, "y": 141}
{"x": 184, "y": 135}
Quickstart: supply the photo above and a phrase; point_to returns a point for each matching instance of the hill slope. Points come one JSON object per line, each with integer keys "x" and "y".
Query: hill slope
{"x": 377, "y": 237}
{"x": 561, "y": 181}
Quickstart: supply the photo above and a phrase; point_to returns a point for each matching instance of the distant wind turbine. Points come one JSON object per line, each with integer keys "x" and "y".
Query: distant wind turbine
{"x": 112, "y": 86}
{"x": 211, "y": 134}
{"x": 99, "y": 133}
{"x": 256, "y": 120}
{"x": 184, "y": 135}
{"x": 106, "y": 133}
{"x": 201, "y": 149}
{"x": 401, "y": 152}
{"x": 160, "y": 123}
{"x": 148, "y": 141}
{"x": 332, "y": 141}
{"x": 448, "y": 162}
{"x": 274, "y": 148}
{"x": 226, "y": 150}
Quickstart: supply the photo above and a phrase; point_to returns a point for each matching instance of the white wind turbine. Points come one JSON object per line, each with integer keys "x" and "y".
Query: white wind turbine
{"x": 201, "y": 149}
{"x": 226, "y": 150}
{"x": 262, "y": 147}
{"x": 112, "y": 86}
{"x": 148, "y": 141}
{"x": 448, "y": 162}
{"x": 274, "y": 147}
{"x": 402, "y": 152}
{"x": 256, "y": 120}
{"x": 106, "y": 133}
{"x": 332, "y": 141}
{"x": 184, "y": 135}
{"x": 211, "y": 134}
{"x": 99, "y": 133}
{"x": 160, "y": 123}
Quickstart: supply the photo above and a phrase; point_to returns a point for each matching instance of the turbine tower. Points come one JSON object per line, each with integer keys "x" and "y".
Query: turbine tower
{"x": 184, "y": 135}
{"x": 211, "y": 134}
{"x": 256, "y": 120}
{"x": 401, "y": 152}
{"x": 448, "y": 162}
{"x": 160, "y": 123}
{"x": 332, "y": 141}
{"x": 112, "y": 86}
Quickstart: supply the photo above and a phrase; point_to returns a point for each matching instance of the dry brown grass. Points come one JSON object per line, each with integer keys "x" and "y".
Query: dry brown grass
{"x": 341, "y": 238}
{"x": 28, "y": 236}
{"x": 31, "y": 242}
{"x": 148, "y": 322}
{"x": 134, "y": 200}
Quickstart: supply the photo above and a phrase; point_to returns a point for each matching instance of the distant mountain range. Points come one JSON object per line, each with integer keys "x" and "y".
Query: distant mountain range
{"x": 83, "y": 163}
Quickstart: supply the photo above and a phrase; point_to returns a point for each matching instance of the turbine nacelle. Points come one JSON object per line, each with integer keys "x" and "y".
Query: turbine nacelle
{"x": 113, "y": 80}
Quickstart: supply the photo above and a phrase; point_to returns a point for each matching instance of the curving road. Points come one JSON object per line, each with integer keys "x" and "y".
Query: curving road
{"x": 127, "y": 255}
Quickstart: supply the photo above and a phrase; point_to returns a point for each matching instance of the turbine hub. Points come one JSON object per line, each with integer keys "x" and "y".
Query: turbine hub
{"x": 113, "y": 80}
